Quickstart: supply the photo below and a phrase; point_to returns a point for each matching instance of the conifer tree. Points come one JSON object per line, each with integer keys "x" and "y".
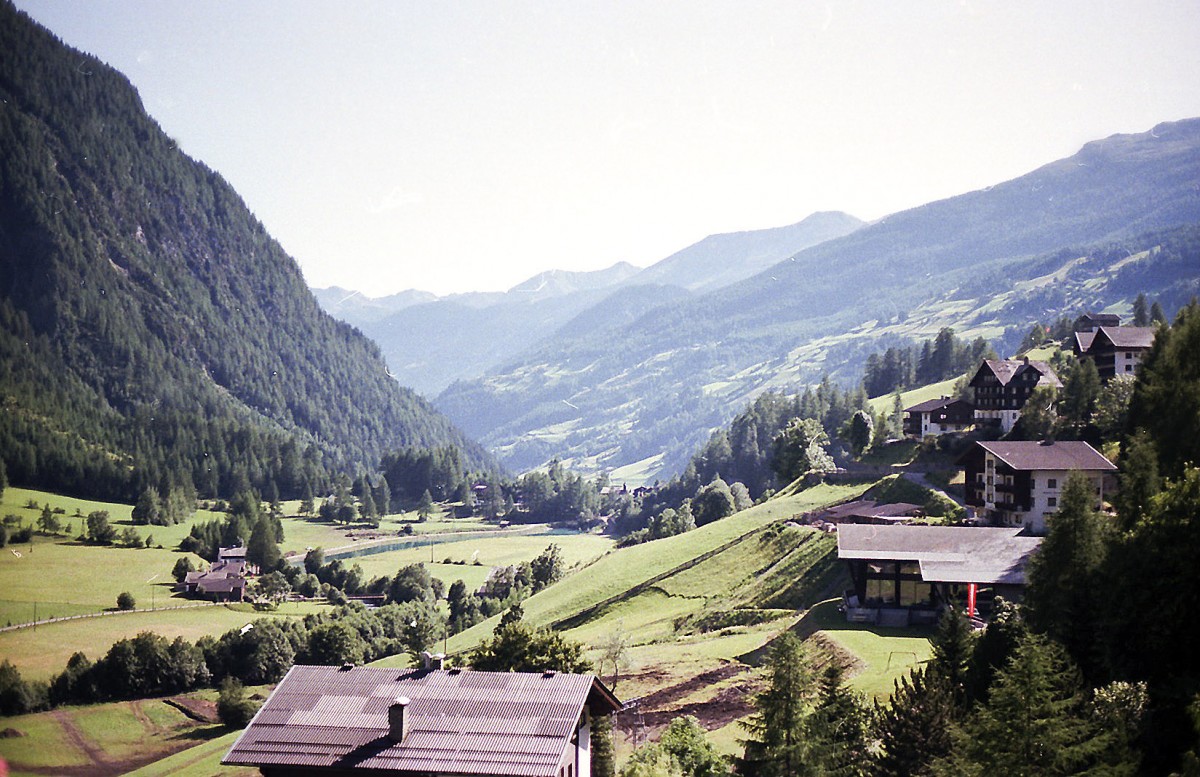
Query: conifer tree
{"x": 839, "y": 727}
{"x": 262, "y": 548}
{"x": 778, "y": 746}
{"x": 993, "y": 648}
{"x": 953, "y": 647}
{"x": 1063, "y": 578}
{"x": 1141, "y": 311}
{"x": 1034, "y": 721}
{"x": 914, "y": 727}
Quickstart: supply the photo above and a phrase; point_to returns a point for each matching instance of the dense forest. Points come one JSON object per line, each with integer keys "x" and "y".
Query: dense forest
{"x": 152, "y": 334}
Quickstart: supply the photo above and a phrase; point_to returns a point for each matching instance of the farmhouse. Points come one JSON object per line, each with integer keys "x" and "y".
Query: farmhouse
{"x": 1002, "y": 387}
{"x": 223, "y": 581}
{"x": 938, "y": 416}
{"x": 324, "y": 720}
{"x": 1018, "y": 483}
{"x": 905, "y": 575}
{"x": 1116, "y": 350}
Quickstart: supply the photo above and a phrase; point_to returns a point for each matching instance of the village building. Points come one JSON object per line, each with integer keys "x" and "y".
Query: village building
{"x": 348, "y": 720}
{"x": 867, "y": 511}
{"x": 1018, "y": 483}
{"x": 906, "y": 575}
{"x": 938, "y": 416}
{"x": 1116, "y": 350}
{"x": 223, "y": 581}
{"x": 1002, "y": 387}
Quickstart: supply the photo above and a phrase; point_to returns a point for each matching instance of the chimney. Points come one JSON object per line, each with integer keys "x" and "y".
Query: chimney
{"x": 1025, "y": 359}
{"x": 397, "y": 719}
{"x": 432, "y": 660}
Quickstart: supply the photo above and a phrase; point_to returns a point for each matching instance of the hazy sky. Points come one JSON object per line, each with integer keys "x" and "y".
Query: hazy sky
{"x": 467, "y": 146}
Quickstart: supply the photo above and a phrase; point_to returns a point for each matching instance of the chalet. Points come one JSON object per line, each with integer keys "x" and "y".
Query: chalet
{"x": 1090, "y": 322}
{"x": 1116, "y": 350}
{"x": 1019, "y": 483}
{"x": 1002, "y": 387}
{"x": 324, "y": 720}
{"x": 223, "y": 581}
{"x": 906, "y": 575}
{"x": 938, "y": 416}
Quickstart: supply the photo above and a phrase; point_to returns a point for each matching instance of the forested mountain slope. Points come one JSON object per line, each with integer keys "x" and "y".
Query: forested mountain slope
{"x": 151, "y": 331}
{"x": 658, "y": 384}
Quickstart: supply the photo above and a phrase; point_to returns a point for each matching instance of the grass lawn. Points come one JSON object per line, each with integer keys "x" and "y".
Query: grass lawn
{"x": 43, "y": 652}
{"x": 915, "y": 396}
{"x": 886, "y": 653}
{"x": 619, "y": 571}
{"x": 499, "y": 550}
{"x": 203, "y": 760}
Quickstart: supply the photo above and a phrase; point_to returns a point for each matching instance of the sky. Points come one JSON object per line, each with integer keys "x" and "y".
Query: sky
{"x": 467, "y": 146}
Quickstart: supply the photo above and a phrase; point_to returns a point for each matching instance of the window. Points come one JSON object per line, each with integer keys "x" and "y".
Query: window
{"x": 1052, "y": 483}
{"x": 1052, "y": 501}
{"x": 1033, "y": 482}
{"x": 1129, "y": 368}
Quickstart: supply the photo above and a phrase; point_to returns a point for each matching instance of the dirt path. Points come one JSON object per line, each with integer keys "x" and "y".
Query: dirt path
{"x": 656, "y": 710}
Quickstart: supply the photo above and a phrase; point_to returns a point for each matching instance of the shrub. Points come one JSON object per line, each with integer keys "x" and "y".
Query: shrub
{"x": 233, "y": 708}
{"x": 125, "y": 601}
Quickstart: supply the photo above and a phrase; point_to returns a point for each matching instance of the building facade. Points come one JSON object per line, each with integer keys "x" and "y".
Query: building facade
{"x": 1003, "y": 386}
{"x": 938, "y": 416}
{"x": 1019, "y": 483}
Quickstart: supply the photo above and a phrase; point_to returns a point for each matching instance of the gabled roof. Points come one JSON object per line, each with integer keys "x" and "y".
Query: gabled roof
{"x": 1006, "y": 370}
{"x": 930, "y": 405}
{"x": 458, "y": 721}
{"x": 946, "y": 554}
{"x": 1125, "y": 336}
{"x": 1083, "y": 341}
{"x": 1049, "y": 455}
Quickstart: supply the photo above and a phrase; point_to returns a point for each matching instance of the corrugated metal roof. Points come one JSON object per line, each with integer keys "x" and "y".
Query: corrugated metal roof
{"x": 949, "y": 554}
{"x": 461, "y": 722}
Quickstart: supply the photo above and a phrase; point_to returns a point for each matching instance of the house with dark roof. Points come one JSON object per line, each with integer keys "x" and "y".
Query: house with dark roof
{"x": 1116, "y": 350}
{"x": 1018, "y": 483}
{"x": 906, "y": 575}
{"x": 223, "y": 581}
{"x": 1090, "y": 322}
{"x": 1002, "y": 387}
{"x": 938, "y": 416}
{"x": 342, "y": 721}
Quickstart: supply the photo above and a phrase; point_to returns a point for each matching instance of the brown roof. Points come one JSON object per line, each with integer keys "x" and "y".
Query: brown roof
{"x": 1049, "y": 455}
{"x": 458, "y": 721}
{"x": 947, "y": 554}
{"x": 930, "y": 405}
{"x": 1007, "y": 369}
{"x": 1083, "y": 341}
{"x": 1126, "y": 336}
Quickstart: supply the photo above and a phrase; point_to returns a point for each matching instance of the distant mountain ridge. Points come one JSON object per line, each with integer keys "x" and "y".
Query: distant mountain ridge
{"x": 683, "y": 368}
{"x": 431, "y": 343}
{"x": 152, "y": 334}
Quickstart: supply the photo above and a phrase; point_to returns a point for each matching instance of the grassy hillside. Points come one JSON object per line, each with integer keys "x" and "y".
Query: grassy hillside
{"x": 1088, "y": 232}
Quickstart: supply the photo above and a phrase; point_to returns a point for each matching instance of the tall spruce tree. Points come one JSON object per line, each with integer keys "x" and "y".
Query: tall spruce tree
{"x": 839, "y": 727}
{"x": 778, "y": 746}
{"x": 1063, "y": 598}
{"x": 1166, "y": 397}
{"x": 914, "y": 727}
{"x": 1035, "y": 720}
{"x": 953, "y": 646}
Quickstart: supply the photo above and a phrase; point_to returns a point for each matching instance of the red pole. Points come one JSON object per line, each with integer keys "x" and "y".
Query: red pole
{"x": 971, "y": 590}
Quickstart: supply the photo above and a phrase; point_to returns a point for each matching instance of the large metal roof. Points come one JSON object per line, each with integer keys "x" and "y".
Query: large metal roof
{"x": 946, "y": 554}
{"x": 458, "y": 721}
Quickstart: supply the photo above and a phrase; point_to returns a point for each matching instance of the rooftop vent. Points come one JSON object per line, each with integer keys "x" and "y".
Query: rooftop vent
{"x": 346, "y": 667}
